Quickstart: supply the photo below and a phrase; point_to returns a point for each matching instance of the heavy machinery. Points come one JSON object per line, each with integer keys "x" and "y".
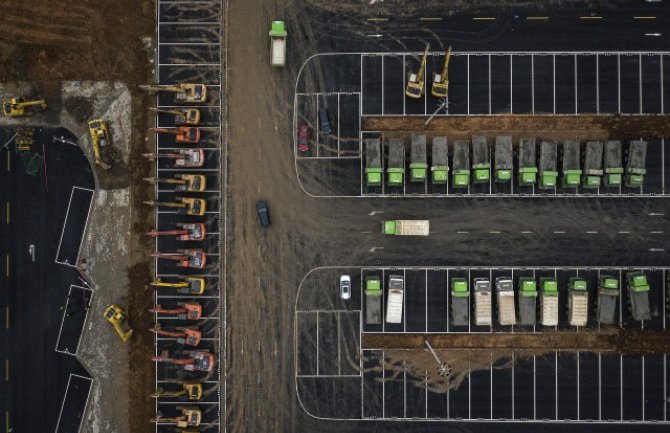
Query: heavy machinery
{"x": 578, "y": 301}
{"x": 19, "y": 107}
{"x": 186, "y": 286}
{"x": 418, "y": 166}
{"x": 278, "y": 43}
{"x": 613, "y": 164}
{"x": 182, "y": 134}
{"x": 406, "y": 227}
{"x": 185, "y": 335}
{"x": 373, "y": 300}
{"x": 185, "y": 258}
{"x": 183, "y": 92}
{"x": 527, "y": 162}
{"x": 184, "y": 205}
{"x": 593, "y": 165}
{"x": 548, "y": 165}
{"x": 415, "y": 81}
{"x": 394, "y": 299}
{"x": 460, "y": 301}
{"x": 182, "y": 116}
{"x": 190, "y": 417}
{"x": 638, "y": 295}
{"x": 187, "y": 158}
{"x": 183, "y": 310}
{"x": 503, "y": 158}
{"x": 395, "y": 172}
{"x": 461, "y": 164}
{"x": 440, "y": 166}
{"x": 527, "y": 301}
{"x": 505, "y": 296}
{"x": 99, "y": 132}
{"x": 119, "y": 320}
{"x": 440, "y": 87}
{"x": 194, "y": 360}
{"x": 572, "y": 171}
{"x": 636, "y": 161}
{"x": 374, "y": 173}
{"x": 608, "y": 294}
{"x": 183, "y": 232}
{"x": 191, "y": 390}
{"x": 481, "y": 159}
{"x": 183, "y": 182}
{"x": 482, "y": 289}
{"x": 548, "y": 301}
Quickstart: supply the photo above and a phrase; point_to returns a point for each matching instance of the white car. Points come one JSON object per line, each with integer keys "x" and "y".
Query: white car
{"x": 345, "y": 286}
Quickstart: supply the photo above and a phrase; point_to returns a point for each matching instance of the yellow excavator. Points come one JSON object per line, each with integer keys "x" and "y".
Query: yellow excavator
{"x": 192, "y": 390}
{"x": 440, "y": 88}
{"x": 190, "y": 417}
{"x": 182, "y": 116}
{"x": 19, "y": 107}
{"x": 184, "y": 205}
{"x": 183, "y": 182}
{"x": 119, "y": 320}
{"x": 187, "y": 285}
{"x": 100, "y": 138}
{"x": 183, "y": 92}
{"x": 415, "y": 82}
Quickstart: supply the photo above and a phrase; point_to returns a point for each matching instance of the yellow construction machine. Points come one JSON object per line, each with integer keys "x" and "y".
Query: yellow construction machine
{"x": 119, "y": 320}
{"x": 183, "y": 92}
{"x": 187, "y": 285}
{"x": 19, "y": 107}
{"x": 184, "y": 205}
{"x": 415, "y": 82}
{"x": 190, "y": 390}
{"x": 440, "y": 88}
{"x": 182, "y": 116}
{"x": 190, "y": 417}
{"x": 183, "y": 182}
{"x": 100, "y": 139}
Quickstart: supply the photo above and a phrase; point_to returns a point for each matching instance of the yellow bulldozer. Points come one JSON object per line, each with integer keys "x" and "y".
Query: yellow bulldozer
{"x": 19, "y": 107}
{"x": 118, "y": 318}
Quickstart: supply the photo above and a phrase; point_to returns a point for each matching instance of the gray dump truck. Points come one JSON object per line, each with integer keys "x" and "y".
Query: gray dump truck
{"x": 548, "y": 165}
{"x": 638, "y": 295}
{"x": 613, "y": 162}
{"x": 503, "y": 158}
{"x": 460, "y": 301}
{"x": 636, "y": 163}
{"x": 461, "y": 164}
{"x": 608, "y": 299}
{"x": 527, "y": 162}
{"x": 417, "y": 165}
{"x": 396, "y": 163}
{"x": 440, "y": 163}
{"x": 481, "y": 159}
{"x": 373, "y": 300}
{"x": 527, "y": 301}
{"x": 572, "y": 171}
{"x": 373, "y": 162}
{"x": 593, "y": 165}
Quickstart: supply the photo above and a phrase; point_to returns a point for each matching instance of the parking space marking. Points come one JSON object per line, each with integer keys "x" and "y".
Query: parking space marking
{"x": 66, "y": 314}
{"x": 67, "y": 213}
{"x": 67, "y": 387}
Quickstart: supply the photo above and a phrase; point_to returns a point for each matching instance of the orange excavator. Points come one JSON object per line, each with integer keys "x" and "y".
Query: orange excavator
{"x": 187, "y": 285}
{"x": 195, "y": 360}
{"x": 189, "y": 158}
{"x": 183, "y": 182}
{"x": 190, "y": 417}
{"x": 184, "y": 232}
{"x": 183, "y": 311}
{"x": 187, "y": 336}
{"x": 184, "y": 205}
{"x": 185, "y": 258}
{"x": 182, "y": 134}
{"x": 182, "y": 116}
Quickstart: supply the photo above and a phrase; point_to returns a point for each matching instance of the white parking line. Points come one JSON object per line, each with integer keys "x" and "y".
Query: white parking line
{"x": 640, "y": 79}
{"x": 489, "y": 84}
{"x": 576, "y": 83}
{"x": 67, "y": 387}
{"x": 598, "y": 84}
{"x": 618, "y": 82}
{"x": 553, "y": 79}
{"x": 67, "y": 213}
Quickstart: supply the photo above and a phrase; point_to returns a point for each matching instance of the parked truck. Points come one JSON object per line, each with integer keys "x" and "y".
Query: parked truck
{"x": 440, "y": 167}
{"x": 418, "y": 165}
{"x": 613, "y": 164}
{"x": 373, "y": 162}
{"x": 593, "y": 165}
{"x": 481, "y": 159}
{"x": 608, "y": 294}
{"x": 482, "y": 301}
{"x": 578, "y": 301}
{"x": 527, "y": 301}
{"x": 527, "y": 162}
{"x": 548, "y": 302}
{"x": 373, "y": 300}
{"x": 278, "y": 43}
{"x": 406, "y": 227}
{"x": 503, "y": 158}
{"x": 572, "y": 171}
{"x": 548, "y": 165}
{"x": 636, "y": 162}
{"x": 505, "y": 295}
{"x": 638, "y": 295}
{"x": 396, "y": 162}
{"x": 460, "y": 301}
{"x": 394, "y": 298}
{"x": 461, "y": 164}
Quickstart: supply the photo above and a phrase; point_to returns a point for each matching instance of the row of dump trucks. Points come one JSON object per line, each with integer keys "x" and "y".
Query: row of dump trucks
{"x": 599, "y": 164}
{"x": 528, "y": 293}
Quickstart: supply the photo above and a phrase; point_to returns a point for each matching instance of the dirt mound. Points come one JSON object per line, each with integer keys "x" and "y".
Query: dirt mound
{"x": 80, "y": 108}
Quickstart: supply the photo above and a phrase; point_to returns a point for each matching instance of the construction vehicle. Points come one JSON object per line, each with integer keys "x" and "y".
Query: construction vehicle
{"x": 548, "y": 301}
{"x": 418, "y": 164}
{"x": 613, "y": 164}
{"x": 183, "y": 92}
{"x": 440, "y": 167}
{"x": 191, "y": 390}
{"x": 527, "y": 301}
{"x": 187, "y": 285}
{"x": 608, "y": 293}
{"x": 638, "y": 295}
{"x": 527, "y": 162}
{"x": 461, "y": 164}
{"x": 190, "y": 417}
{"x": 460, "y": 301}
{"x": 482, "y": 289}
{"x": 440, "y": 87}
{"x": 194, "y": 360}
{"x": 119, "y": 320}
{"x": 636, "y": 161}
{"x": 373, "y": 300}
{"x": 395, "y": 171}
{"x": 185, "y": 258}
{"x": 278, "y": 44}
{"x": 19, "y": 107}
{"x": 183, "y": 182}
{"x": 572, "y": 172}
{"x": 504, "y": 162}
{"x": 100, "y": 140}
{"x": 394, "y": 299}
{"x": 374, "y": 173}
{"x": 182, "y": 134}
{"x": 183, "y": 310}
{"x": 184, "y": 232}
{"x": 187, "y": 158}
{"x": 505, "y": 295}
{"x": 415, "y": 81}
{"x": 184, "y": 205}
{"x": 578, "y": 302}
{"x": 406, "y": 227}
{"x": 187, "y": 336}
{"x": 548, "y": 165}
{"x": 182, "y": 116}
{"x": 593, "y": 165}
{"x": 481, "y": 159}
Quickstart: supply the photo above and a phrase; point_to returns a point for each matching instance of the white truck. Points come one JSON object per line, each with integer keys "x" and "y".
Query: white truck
{"x": 394, "y": 298}
{"x": 278, "y": 44}
{"x": 482, "y": 302}
{"x": 406, "y": 227}
{"x": 505, "y": 295}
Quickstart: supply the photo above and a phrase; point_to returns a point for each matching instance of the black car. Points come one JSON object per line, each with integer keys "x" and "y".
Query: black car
{"x": 263, "y": 213}
{"x": 324, "y": 122}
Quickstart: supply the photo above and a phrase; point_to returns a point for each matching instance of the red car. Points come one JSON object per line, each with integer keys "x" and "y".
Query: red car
{"x": 303, "y": 137}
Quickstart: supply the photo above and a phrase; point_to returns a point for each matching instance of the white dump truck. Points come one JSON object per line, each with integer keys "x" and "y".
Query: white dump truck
{"x": 394, "y": 299}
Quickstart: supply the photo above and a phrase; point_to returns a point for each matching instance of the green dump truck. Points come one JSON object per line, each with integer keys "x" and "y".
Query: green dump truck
{"x": 638, "y": 295}
{"x": 461, "y": 164}
{"x": 440, "y": 160}
{"x": 373, "y": 300}
{"x": 548, "y": 165}
{"x": 527, "y": 301}
{"x": 636, "y": 162}
{"x": 527, "y": 162}
{"x": 593, "y": 165}
{"x": 572, "y": 171}
{"x": 481, "y": 159}
{"x": 418, "y": 166}
{"x": 406, "y": 227}
{"x": 504, "y": 161}
{"x": 608, "y": 294}
{"x": 278, "y": 43}
{"x": 613, "y": 162}
{"x": 395, "y": 172}
{"x": 548, "y": 301}
{"x": 373, "y": 162}
{"x": 460, "y": 301}
{"x": 578, "y": 302}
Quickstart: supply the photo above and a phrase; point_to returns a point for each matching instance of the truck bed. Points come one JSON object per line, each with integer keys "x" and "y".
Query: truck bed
{"x": 413, "y": 227}
{"x": 506, "y": 310}
{"x": 571, "y": 159}
{"x": 548, "y": 155}
{"x": 549, "y": 310}
{"x": 593, "y": 157}
{"x": 461, "y": 156}
{"x": 373, "y": 153}
{"x": 418, "y": 152}
{"x": 480, "y": 150}
{"x": 459, "y": 311}
{"x": 396, "y": 153}
{"x": 637, "y": 155}
{"x": 440, "y": 152}
{"x": 607, "y": 305}
{"x": 373, "y": 309}
{"x": 527, "y": 153}
{"x": 578, "y": 308}
{"x": 503, "y": 152}
{"x": 527, "y": 310}
{"x": 613, "y": 154}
